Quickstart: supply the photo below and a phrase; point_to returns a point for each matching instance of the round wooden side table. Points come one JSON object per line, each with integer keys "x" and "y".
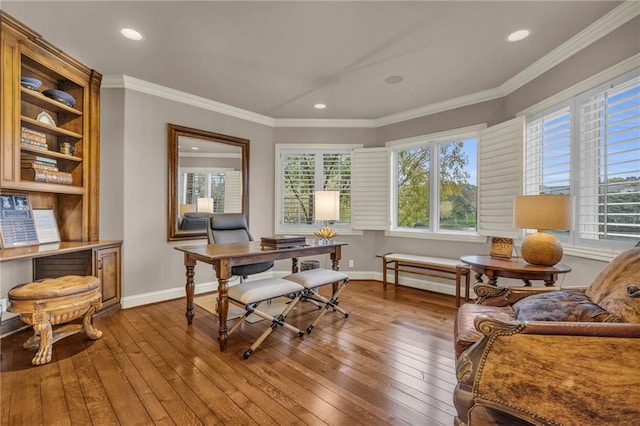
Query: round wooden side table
{"x": 516, "y": 268}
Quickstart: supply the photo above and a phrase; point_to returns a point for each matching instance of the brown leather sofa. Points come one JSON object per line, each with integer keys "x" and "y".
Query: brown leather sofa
{"x": 552, "y": 356}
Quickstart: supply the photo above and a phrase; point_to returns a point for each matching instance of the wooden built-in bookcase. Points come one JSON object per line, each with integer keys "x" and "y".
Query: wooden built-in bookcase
{"x": 23, "y": 53}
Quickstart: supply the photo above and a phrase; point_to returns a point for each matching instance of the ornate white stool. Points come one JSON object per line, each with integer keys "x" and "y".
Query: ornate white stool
{"x": 54, "y": 301}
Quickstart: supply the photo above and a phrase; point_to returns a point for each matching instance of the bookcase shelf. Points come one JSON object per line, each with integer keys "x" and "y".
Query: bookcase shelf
{"x": 35, "y": 127}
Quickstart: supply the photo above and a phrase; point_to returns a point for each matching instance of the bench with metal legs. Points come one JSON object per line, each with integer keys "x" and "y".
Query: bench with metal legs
{"x": 312, "y": 280}
{"x": 249, "y": 295}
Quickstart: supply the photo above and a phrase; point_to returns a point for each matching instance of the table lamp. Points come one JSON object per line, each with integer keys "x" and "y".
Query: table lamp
{"x": 542, "y": 212}
{"x": 326, "y": 208}
{"x": 205, "y": 205}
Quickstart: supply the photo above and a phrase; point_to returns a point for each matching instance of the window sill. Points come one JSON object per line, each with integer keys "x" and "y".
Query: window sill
{"x": 445, "y": 236}
{"x": 605, "y": 255}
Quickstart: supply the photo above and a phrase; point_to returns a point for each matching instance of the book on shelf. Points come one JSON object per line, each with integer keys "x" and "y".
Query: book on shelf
{"x": 48, "y": 176}
{"x": 32, "y": 143}
{"x": 283, "y": 241}
{"x": 33, "y": 135}
{"x": 40, "y": 166}
{"x": 39, "y": 159}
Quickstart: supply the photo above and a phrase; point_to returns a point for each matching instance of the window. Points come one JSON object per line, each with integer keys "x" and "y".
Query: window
{"x": 301, "y": 172}
{"x": 435, "y": 183}
{"x": 590, "y": 147}
{"x": 209, "y": 190}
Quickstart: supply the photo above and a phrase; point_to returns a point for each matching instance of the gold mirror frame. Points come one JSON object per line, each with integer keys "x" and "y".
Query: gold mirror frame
{"x": 174, "y": 133}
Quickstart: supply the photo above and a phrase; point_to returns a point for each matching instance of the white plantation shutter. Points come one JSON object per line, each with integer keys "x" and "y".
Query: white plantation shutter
{"x": 370, "y": 189}
{"x": 499, "y": 177}
{"x": 608, "y": 193}
{"x": 233, "y": 191}
{"x": 548, "y": 153}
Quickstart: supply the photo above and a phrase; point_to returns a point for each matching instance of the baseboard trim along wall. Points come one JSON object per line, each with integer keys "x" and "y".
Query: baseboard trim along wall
{"x": 179, "y": 292}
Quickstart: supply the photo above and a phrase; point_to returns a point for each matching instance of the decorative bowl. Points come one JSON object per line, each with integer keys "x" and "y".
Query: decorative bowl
{"x": 30, "y": 83}
{"x": 60, "y": 96}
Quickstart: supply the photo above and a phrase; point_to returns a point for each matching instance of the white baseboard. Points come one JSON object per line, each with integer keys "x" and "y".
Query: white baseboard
{"x": 178, "y": 292}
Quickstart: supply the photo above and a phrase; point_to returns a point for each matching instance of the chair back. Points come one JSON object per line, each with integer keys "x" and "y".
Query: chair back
{"x": 233, "y": 228}
{"x": 228, "y": 228}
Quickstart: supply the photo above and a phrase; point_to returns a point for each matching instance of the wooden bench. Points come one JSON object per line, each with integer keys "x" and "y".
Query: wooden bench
{"x": 437, "y": 267}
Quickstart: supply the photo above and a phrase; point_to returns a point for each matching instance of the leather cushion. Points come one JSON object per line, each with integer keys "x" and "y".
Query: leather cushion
{"x": 609, "y": 289}
{"x": 465, "y": 332}
{"x": 562, "y": 305}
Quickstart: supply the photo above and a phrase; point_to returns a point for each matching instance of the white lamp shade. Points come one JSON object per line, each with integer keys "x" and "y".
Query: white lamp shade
{"x": 543, "y": 212}
{"x": 205, "y": 205}
{"x": 327, "y": 205}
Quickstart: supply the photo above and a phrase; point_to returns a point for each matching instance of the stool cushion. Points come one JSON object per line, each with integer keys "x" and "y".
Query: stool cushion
{"x": 265, "y": 289}
{"x": 316, "y": 277}
{"x": 52, "y": 288}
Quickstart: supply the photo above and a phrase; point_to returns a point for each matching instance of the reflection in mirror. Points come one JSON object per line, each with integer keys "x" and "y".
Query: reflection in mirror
{"x": 208, "y": 173}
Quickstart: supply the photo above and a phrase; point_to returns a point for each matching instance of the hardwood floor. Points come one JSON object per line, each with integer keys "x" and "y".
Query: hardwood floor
{"x": 390, "y": 362}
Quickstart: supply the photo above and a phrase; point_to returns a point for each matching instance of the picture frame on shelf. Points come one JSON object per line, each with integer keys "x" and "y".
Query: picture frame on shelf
{"x": 17, "y": 226}
{"x": 46, "y": 226}
{"x": 501, "y": 248}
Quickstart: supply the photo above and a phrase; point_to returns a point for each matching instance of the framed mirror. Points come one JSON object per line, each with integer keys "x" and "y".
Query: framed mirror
{"x": 208, "y": 173}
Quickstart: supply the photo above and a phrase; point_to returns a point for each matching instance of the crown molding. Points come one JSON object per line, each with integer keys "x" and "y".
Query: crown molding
{"x": 321, "y": 122}
{"x": 131, "y": 83}
{"x": 603, "y": 26}
{"x": 462, "y": 101}
{"x": 616, "y": 70}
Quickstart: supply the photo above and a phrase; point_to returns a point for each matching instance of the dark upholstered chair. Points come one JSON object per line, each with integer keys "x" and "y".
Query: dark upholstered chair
{"x": 233, "y": 228}
{"x": 552, "y": 356}
{"x": 194, "y": 221}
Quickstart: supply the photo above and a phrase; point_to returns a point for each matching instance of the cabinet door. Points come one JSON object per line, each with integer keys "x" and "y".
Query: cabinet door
{"x": 107, "y": 268}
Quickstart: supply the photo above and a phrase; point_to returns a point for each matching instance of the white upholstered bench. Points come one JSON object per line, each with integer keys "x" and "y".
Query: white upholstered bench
{"x": 249, "y": 295}
{"x": 437, "y": 267}
{"x": 313, "y": 279}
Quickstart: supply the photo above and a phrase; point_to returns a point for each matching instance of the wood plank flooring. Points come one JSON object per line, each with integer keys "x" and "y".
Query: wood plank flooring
{"x": 390, "y": 362}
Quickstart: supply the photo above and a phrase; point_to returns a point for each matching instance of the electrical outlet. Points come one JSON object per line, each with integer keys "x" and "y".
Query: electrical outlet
{"x": 350, "y": 263}
{"x": 3, "y": 304}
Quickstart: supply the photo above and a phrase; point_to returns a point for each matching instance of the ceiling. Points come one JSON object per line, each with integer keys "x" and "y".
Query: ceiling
{"x": 280, "y": 58}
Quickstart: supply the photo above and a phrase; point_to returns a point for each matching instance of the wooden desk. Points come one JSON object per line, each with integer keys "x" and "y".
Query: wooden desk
{"x": 223, "y": 256}
{"x": 513, "y": 268}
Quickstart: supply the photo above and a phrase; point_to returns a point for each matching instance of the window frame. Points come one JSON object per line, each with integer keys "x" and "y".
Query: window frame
{"x": 279, "y": 226}
{"x": 573, "y": 243}
{"x": 434, "y": 141}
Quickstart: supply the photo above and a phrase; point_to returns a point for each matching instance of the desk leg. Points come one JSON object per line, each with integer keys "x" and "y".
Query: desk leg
{"x": 335, "y": 265}
{"x": 189, "y": 287}
{"x": 222, "y": 272}
{"x": 478, "y": 276}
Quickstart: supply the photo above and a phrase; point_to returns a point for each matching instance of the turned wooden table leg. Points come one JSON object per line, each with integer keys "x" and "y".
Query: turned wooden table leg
{"x": 189, "y": 288}
{"x": 223, "y": 270}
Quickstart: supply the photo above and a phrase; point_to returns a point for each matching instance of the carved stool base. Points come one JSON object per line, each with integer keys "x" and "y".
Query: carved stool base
{"x": 53, "y": 301}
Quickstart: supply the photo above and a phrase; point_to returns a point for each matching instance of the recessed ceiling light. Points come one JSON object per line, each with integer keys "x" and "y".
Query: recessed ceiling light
{"x": 131, "y": 34}
{"x": 393, "y": 79}
{"x": 519, "y": 35}
{"x": 195, "y": 148}
{"x": 319, "y": 106}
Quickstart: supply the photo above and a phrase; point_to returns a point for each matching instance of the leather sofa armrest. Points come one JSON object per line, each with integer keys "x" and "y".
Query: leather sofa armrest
{"x": 504, "y": 296}
{"x": 488, "y": 325}
{"x": 583, "y": 372}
